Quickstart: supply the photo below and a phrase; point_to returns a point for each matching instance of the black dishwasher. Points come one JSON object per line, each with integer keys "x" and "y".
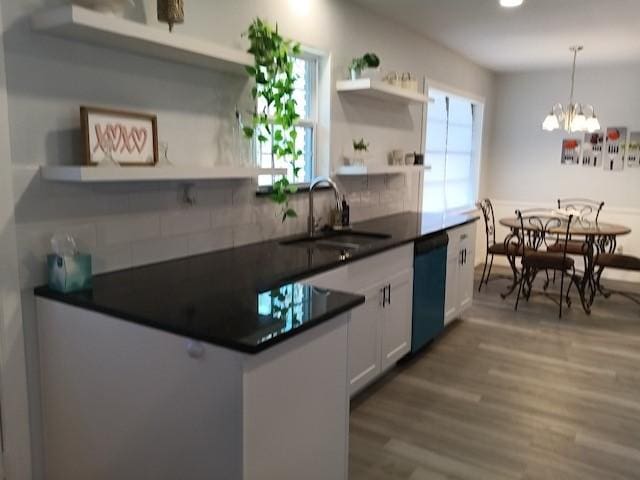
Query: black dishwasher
{"x": 429, "y": 280}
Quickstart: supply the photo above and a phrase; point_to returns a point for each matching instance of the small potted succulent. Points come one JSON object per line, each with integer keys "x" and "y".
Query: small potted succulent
{"x": 360, "y": 150}
{"x": 360, "y": 64}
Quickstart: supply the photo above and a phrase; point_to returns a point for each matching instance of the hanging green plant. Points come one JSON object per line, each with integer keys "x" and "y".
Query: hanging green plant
{"x": 275, "y": 121}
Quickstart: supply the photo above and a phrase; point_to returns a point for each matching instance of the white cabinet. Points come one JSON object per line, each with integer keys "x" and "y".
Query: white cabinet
{"x": 460, "y": 271}
{"x": 396, "y": 319}
{"x": 364, "y": 339}
{"x": 380, "y": 329}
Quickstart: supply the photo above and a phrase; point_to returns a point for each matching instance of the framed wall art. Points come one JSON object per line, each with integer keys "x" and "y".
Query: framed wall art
{"x": 615, "y": 150}
{"x": 119, "y": 137}
{"x": 633, "y": 150}
{"x": 592, "y": 149}
{"x": 570, "y": 151}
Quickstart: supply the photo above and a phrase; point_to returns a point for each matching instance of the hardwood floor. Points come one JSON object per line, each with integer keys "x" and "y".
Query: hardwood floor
{"x": 510, "y": 395}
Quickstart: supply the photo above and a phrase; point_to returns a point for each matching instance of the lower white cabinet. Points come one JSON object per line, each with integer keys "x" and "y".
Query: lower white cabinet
{"x": 364, "y": 339}
{"x": 460, "y": 271}
{"x": 379, "y": 332}
{"x": 396, "y": 319}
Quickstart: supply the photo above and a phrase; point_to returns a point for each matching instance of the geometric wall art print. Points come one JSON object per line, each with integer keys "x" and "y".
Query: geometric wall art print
{"x": 592, "y": 149}
{"x": 615, "y": 149}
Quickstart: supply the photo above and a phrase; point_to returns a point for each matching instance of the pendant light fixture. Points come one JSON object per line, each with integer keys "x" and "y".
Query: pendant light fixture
{"x": 574, "y": 117}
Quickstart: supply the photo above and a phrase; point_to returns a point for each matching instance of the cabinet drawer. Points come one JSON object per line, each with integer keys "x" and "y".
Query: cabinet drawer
{"x": 372, "y": 270}
{"x": 462, "y": 237}
{"x": 336, "y": 279}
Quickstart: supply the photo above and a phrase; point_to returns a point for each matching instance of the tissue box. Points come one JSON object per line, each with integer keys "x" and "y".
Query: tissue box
{"x": 69, "y": 273}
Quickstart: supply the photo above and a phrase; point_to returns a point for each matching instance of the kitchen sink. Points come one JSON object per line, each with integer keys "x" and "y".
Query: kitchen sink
{"x": 338, "y": 240}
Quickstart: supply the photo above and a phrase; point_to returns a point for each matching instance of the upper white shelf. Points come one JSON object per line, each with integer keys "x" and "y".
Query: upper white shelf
{"x": 381, "y": 91}
{"x": 150, "y": 174}
{"x": 78, "y": 23}
{"x": 361, "y": 170}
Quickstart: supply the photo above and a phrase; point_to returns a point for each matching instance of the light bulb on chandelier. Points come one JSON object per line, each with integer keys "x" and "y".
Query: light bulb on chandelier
{"x": 573, "y": 117}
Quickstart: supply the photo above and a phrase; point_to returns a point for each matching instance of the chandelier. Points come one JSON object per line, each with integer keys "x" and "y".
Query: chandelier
{"x": 574, "y": 117}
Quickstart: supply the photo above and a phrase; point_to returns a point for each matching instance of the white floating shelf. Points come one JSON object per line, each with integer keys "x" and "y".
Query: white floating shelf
{"x": 381, "y": 91}
{"x": 151, "y": 174}
{"x": 359, "y": 170}
{"x": 78, "y": 23}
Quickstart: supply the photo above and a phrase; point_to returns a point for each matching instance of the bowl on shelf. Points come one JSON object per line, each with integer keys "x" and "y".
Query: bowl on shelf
{"x": 353, "y": 161}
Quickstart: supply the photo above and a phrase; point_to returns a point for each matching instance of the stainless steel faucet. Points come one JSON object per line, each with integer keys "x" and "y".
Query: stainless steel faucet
{"x": 314, "y": 184}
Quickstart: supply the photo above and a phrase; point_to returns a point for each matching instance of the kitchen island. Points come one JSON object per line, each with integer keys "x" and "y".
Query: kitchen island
{"x": 225, "y": 365}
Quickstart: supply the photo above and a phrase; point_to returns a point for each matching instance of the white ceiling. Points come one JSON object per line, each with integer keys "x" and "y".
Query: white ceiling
{"x": 534, "y": 36}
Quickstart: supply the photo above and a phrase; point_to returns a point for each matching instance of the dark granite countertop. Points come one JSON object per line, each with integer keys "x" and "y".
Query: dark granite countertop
{"x": 246, "y": 298}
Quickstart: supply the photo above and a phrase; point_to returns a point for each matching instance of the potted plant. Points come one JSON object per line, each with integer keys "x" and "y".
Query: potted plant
{"x": 274, "y": 78}
{"x": 360, "y": 149}
{"x": 359, "y": 64}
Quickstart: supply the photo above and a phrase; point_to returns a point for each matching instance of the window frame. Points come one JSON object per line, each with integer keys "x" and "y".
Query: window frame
{"x": 311, "y": 122}
{"x": 478, "y": 111}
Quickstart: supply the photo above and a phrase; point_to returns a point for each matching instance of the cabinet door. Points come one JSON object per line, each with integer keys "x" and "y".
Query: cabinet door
{"x": 452, "y": 296}
{"x": 364, "y": 340}
{"x": 465, "y": 278}
{"x": 396, "y": 321}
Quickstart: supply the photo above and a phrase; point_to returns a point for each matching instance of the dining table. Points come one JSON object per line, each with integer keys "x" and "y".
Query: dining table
{"x": 599, "y": 238}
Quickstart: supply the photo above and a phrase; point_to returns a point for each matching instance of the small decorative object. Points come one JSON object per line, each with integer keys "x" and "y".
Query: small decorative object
{"x": 358, "y": 154}
{"x": 358, "y": 64}
{"x": 616, "y": 139}
{"x": 633, "y": 150}
{"x": 115, "y": 136}
{"x": 275, "y": 79}
{"x": 570, "y": 151}
{"x": 163, "y": 155}
{"x": 409, "y": 158}
{"x": 113, "y": 7}
{"x": 592, "y": 149}
{"x": 68, "y": 270}
{"x": 393, "y": 78}
{"x": 396, "y": 157}
{"x": 171, "y": 12}
{"x": 409, "y": 82}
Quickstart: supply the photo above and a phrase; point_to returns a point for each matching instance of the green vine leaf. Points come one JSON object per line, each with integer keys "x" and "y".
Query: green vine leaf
{"x": 274, "y": 77}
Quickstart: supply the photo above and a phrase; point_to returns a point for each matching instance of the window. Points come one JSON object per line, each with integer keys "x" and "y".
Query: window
{"x": 452, "y": 150}
{"x": 306, "y": 98}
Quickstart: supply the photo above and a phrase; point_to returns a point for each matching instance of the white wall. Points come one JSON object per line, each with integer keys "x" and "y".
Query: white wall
{"x": 13, "y": 385}
{"x": 48, "y": 78}
{"x": 524, "y": 167}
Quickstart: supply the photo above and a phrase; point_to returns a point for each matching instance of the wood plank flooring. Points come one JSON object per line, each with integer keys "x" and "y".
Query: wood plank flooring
{"x": 510, "y": 395}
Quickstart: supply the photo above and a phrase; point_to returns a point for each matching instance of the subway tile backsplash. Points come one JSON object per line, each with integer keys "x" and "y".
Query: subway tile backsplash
{"x": 125, "y": 225}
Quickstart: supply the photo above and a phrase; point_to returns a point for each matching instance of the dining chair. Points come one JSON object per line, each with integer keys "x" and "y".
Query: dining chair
{"x": 616, "y": 261}
{"x": 494, "y": 248}
{"x": 537, "y": 228}
{"x": 584, "y": 210}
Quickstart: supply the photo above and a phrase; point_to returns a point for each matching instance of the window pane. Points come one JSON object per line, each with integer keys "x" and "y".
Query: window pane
{"x": 436, "y": 174}
{"x": 460, "y": 111}
{"x": 304, "y": 142}
{"x": 458, "y": 195}
{"x": 459, "y": 138}
{"x": 304, "y": 95}
{"x": 459, "y": 167}
{"x": 437, "y": 111}
{"x": 433, "y": 197}
{"x": 436, "y": 136}
{"x": 449, "y": 151}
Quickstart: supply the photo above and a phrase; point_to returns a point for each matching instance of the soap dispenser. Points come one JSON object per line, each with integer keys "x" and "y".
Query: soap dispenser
{"x": 345, "y": 212}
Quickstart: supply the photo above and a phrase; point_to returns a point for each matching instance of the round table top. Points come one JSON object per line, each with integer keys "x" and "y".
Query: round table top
{"x": 578, "y": 227}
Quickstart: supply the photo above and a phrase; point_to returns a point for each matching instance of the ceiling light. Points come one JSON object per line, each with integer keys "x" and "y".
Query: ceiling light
{"x": 573, "y": 117}
{"x": 511, "y": 3}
